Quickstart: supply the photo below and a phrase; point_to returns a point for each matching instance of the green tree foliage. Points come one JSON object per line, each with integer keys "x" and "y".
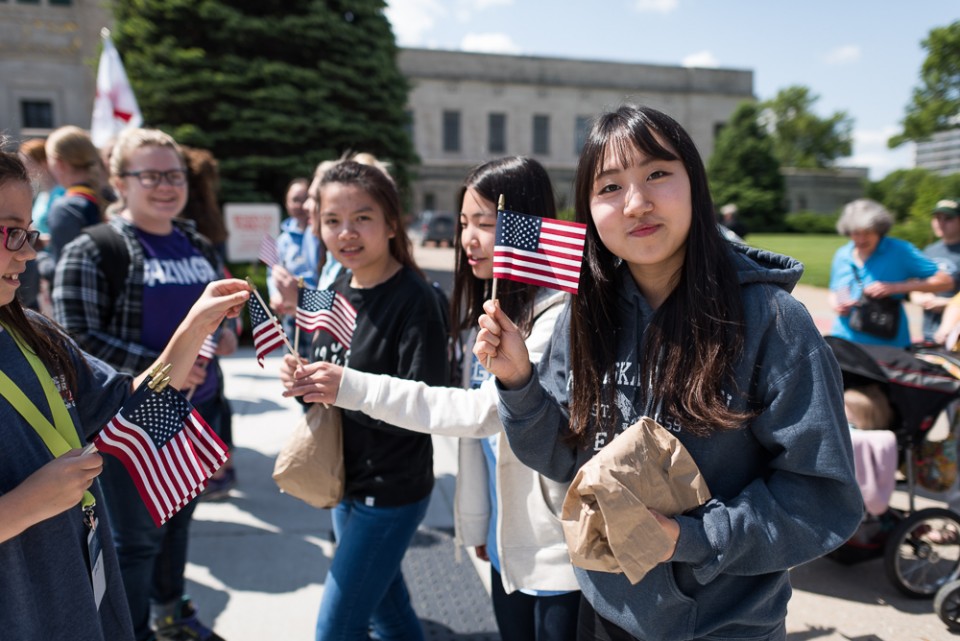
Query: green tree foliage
{"x": 936, "y": 102}
{"x": 911, "y": 195}
{"x": 271, "y": 87}
{"x": 743, "y": 170}
{"x": 800, "y": 137}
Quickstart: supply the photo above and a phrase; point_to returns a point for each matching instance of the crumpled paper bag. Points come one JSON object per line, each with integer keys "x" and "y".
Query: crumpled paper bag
{"x": 605, "y": 518}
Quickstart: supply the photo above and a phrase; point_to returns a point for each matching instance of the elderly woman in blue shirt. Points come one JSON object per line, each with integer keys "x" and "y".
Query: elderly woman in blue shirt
{"x": 876, "y": 266}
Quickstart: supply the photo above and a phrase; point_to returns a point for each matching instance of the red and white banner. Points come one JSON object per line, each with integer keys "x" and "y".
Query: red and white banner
{"x": 115, "y": 107}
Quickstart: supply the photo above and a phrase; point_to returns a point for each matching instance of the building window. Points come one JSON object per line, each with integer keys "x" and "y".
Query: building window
{"x": 28, "y": 1}
{"x": 429, "y": 201}
{"x": 541, "y": 134}
{"x": 408, "y": 125}
{"x": 451, "y": 131}
{"x": 36, "y": 114}
{"x": 717, "y": 128}
{"x": 497, "y": 134}
{"x": 580, "y": 128}
{"x": 60, "y": 3}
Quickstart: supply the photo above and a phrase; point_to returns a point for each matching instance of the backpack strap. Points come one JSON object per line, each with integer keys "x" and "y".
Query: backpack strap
{"x": 113, "y": 252}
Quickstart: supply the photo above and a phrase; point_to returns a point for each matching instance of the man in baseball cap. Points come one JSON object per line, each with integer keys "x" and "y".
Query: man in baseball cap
{"x": 945, "y": 221}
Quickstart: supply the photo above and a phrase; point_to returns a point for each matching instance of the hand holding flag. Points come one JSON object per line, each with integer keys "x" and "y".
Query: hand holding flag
{"x": 166, "y": 446}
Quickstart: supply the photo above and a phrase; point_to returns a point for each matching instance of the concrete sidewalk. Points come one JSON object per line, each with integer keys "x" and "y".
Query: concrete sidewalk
{"x": 259, "y": 559}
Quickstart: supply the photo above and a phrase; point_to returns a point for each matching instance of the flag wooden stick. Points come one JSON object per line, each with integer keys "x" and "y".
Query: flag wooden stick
{"x": 274, "y": 319}
{"x": 296, "y": 325}
{"x": 493, "y": 294}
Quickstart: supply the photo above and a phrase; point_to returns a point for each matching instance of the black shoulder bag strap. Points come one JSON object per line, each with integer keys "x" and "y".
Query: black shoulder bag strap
{"x": 114, "y": 257}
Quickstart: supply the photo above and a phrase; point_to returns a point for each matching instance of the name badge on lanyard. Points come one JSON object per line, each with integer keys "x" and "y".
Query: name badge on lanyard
{"x": 98, "y": 577}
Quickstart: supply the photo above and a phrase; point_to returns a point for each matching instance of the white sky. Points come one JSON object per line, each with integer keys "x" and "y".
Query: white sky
{"x": 857, "y": 56}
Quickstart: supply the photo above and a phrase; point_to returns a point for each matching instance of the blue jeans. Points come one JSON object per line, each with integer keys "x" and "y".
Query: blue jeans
{"x": 365, "y": 585}
{"x": 152, "y": 559}
{"x": 524, "y": 617}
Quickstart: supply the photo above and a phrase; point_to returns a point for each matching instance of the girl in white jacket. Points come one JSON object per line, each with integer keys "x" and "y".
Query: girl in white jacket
{"x": 508, "y": 512}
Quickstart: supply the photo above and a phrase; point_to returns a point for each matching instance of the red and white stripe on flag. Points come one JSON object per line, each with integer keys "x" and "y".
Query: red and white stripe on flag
{"x": 268, "y": 251}
{"x": 209, "y": 348}
{"x": 327, "y": 310}
{"x": 267, "y": 333}
{"x": 171, "y": 474}
{"x": 539, "y": 251}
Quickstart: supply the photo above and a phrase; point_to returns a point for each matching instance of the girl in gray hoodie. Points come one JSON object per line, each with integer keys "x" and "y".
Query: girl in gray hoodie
{"x": 675, "y": 323}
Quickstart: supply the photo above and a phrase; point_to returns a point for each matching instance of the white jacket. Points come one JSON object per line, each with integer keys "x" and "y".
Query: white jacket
{"x": 532, "y": 551}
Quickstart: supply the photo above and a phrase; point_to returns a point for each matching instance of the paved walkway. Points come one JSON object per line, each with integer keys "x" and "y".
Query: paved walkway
{"x": 258, "y": 560}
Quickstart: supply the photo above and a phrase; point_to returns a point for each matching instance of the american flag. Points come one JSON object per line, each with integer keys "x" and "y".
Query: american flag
{"x": 166, "y": 446}
{"x": 539, "y": 251}
{"x": 327, "y": 310}
{"x": 209, "y": 348}
{"x": 267, "y": 333}
{"x": 268, "y": 251}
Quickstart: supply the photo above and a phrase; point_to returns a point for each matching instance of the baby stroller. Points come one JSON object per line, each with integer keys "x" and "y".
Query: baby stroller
{"x": 921, "y": 548}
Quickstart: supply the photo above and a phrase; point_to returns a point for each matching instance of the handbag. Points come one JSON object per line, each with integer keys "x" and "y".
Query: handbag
{"x": 310, "y": 464}
{"x": 878, "y": 317}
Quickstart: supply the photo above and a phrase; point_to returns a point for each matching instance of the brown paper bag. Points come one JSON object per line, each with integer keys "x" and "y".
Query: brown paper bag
{"x": 310, "y": 464}
{"x": 605, "y": 518}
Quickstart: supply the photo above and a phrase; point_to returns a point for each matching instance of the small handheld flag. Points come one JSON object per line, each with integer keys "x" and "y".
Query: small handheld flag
{"x": 166, "y": 446}
{"x": 327, "y": 310}
{"x": 267, "y": 333}
{"x": 539, "y": 251}
{"x": 209, "y": 348}
{"x": 268, "y": 251}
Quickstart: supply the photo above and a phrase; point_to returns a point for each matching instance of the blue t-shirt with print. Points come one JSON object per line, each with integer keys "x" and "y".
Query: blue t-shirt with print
{"x": 893, "y": 260}
{"x": 175, "y": 274}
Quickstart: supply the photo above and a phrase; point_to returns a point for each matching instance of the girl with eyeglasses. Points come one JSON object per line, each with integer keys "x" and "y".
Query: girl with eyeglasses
{"x": 53, "y": 399}
{"x": 126, "y": 324}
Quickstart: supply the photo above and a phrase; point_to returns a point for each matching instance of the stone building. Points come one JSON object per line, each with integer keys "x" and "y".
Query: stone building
{"x": 464, "y": 107}
{"x": 48, "y": 58}
{"x": 468, "y": 107}
{"x": 941, "y": 153}
{"x": 823, "y": 191}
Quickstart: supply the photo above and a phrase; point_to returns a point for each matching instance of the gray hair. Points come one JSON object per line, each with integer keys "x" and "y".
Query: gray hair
{"x": 864, "y": 214}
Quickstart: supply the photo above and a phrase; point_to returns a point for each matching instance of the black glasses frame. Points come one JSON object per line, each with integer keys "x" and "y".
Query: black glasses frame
{"x": 161, "y": 176}
{"x": 15, "y": 237}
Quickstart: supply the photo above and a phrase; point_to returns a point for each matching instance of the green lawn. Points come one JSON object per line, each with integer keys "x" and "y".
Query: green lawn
{"x": 815, "y": 251}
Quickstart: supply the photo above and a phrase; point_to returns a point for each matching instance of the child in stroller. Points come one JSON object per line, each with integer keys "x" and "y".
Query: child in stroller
{"x": 903, "y": 392}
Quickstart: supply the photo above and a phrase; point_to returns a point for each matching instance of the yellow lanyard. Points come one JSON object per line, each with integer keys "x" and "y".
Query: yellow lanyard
{"x": 60, "y": 437}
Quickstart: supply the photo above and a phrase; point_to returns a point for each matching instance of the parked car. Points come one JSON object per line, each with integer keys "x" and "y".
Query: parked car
{"x": 437, "y": 228}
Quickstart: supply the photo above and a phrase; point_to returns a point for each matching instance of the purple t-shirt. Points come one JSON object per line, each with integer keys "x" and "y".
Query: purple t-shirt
{"x": 175, "y": 273}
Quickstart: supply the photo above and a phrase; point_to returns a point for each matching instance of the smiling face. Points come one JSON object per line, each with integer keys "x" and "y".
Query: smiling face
{"x": 642, "y": 209}
{"x": 16, "y": 201}
{"x": 152, "y": 209}
{"x": 295, "y": 201}
{"x": 478, "y": 224}
{"x": 354, "y": 228}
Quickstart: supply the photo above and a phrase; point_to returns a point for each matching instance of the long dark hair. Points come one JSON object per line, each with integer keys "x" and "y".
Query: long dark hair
{"x": 375, "y": 183}
{"x": 696, "y": 336}
{"x": 50, "y": 346}
{"x": 526, "y": 189}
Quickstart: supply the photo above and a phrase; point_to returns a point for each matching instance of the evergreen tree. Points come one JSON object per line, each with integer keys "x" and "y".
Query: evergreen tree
{"x": 271, "y": 87}
{"x": 743, "y": 170}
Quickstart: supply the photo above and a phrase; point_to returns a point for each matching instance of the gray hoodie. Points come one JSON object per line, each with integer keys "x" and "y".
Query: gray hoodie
{"x": 783, "y": 486}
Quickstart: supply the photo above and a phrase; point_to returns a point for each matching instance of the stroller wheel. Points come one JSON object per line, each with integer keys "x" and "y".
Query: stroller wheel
{"x": 947, "y": 605}
{"x": 923, "y": 552}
